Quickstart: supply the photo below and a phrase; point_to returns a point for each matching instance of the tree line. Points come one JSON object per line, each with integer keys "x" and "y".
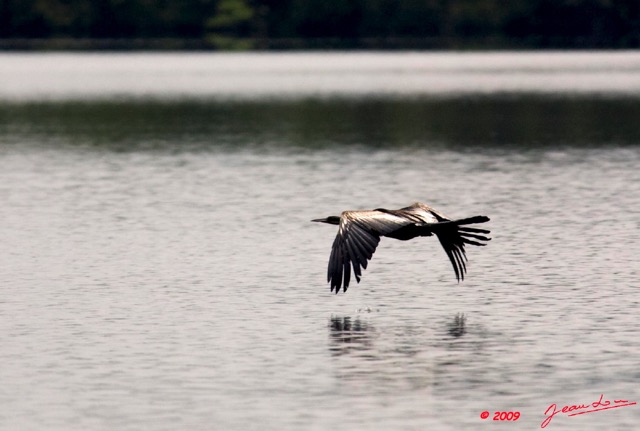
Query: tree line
{"x": 238, "y": 24}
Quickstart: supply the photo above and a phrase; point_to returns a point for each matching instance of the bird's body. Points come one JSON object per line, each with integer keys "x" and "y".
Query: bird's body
{"x": 359, "y": 233}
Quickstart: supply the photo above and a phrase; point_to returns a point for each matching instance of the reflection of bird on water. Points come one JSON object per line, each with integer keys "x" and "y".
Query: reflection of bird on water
{"x": 458, "y": 327}
{"x": 347, "y": 334}
{"x": 359, "y": 233}
{"x": 345, "y": 329}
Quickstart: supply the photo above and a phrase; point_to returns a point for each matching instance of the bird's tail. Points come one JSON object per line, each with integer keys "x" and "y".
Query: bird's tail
{"x": 455, "y": 234}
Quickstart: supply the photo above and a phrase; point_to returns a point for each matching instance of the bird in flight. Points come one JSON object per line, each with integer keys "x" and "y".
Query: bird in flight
{"x": 359, "y": 233}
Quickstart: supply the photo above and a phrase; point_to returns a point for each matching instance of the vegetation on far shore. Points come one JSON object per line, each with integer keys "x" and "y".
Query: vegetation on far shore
{"x": 320, "y": 24}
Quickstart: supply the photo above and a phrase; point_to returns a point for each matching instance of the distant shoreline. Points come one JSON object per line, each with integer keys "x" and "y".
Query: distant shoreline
{"x": 198, "y": 44}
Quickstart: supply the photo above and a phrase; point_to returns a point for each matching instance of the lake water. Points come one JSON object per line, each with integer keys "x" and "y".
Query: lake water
{"x": 294, "y": 75}
{"x": 159, "y": 269}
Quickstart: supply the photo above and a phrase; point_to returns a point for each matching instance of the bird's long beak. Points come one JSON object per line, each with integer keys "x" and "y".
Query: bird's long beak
{"x": 328, "y": 220}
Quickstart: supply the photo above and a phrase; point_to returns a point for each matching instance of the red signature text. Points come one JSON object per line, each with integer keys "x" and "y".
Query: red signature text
{"x": 581, "y": 409}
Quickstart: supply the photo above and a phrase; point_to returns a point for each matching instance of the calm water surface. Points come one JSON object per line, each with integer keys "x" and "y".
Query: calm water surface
{"x": 159, "y": 270}
{"x": 247, "y": 76}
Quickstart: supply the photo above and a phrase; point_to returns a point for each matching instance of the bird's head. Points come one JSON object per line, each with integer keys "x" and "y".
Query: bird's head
{"x": 329, "y": 220}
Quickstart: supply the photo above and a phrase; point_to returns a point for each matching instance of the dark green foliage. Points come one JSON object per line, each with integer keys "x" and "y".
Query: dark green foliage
{"x": 333, "y": 23}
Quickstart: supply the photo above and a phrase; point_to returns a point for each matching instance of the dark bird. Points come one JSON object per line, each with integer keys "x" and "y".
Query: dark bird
{"x": 359, "y": 233}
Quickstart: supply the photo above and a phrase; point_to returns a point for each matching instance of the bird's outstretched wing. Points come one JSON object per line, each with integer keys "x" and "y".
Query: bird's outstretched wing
{"x": 424, "y": 213}
{"x": 358, "y": 236}
{"x": 454, "y": 235}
